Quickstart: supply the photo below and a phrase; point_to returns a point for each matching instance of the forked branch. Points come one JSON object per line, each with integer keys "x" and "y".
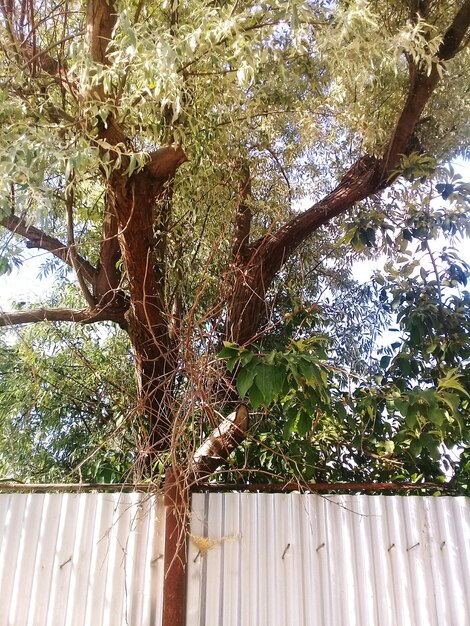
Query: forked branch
{"x": 368, "y": 175}
{"x": 220, "y": 443}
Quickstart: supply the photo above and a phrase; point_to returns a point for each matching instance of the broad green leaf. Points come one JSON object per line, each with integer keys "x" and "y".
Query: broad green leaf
{"x": 269, "y": 380}
{"x": 256, "y": 397}
{"x": 304, "y": 423}
{"x": 416, "y": 447}
{"x": 228, "y": 351}
{"x": 245, "y": 380}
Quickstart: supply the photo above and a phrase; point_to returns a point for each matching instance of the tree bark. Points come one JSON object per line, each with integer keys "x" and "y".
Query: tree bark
{"x": 137, "y": 202}
{"x": 272, "y": 251}
{"x": 83, "y": 316}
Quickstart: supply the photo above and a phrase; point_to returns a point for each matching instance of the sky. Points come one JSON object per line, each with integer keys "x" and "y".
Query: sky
{"x": 24, "y": 284}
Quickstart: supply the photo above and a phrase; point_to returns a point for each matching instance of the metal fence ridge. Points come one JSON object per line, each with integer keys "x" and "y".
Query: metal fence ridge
{"x": 317, "y": 487}
{"x": 148, "y": 487}
{"x": 19, "y": 487}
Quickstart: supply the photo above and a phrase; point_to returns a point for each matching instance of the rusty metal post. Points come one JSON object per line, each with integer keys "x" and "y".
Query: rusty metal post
{"x": 175, "y": 559}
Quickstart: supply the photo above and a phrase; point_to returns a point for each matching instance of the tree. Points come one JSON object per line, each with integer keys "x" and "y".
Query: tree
{"x": 160, "y": 149}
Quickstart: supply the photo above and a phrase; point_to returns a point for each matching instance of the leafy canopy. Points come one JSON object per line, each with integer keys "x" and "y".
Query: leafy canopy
{"x": 275, "y": 104}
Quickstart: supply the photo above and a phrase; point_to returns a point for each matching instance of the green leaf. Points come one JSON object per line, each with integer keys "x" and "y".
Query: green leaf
{"x": 256, "y": 397}
{"x": 451, "y": 382}
{"x": 289, "y": 427}
{"x": 451, "y": 400}
{"x": 304, "y": 423}
{"x": 411, "y": 419}
{"x": 403, "y": 364}
{"x": 436, "y": 415}
{"x": 245, "y": 380}
{"x": 246, "y": 356}
{"x": 133, "y": 165}
{"x": 228, "y": 351}
{"x": 269, "y": 380}
{"x": 385, "y": 362}
{"x": 5, "y": 267}
{"x": 231, "y": 353}
{"x": 389, "y": 447}
{"x": 416, "y": 447}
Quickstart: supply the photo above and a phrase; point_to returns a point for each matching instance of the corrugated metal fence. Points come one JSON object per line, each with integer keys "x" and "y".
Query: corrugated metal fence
{"x": 81, "y": 559}
{"x": 254, "y": 560}
{"x": 310, "y": 560}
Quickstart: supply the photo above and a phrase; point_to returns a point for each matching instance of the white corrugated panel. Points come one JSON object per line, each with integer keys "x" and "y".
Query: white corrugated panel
{"x": 311, "y": 560}
{"x": 91, "y": 559}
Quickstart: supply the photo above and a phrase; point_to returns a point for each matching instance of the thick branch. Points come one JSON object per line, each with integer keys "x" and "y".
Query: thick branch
{"x": 422, "y": 85}
{"x": 456, "y": 33}
{"x": 359, "y": 182}
{"x": 220, "y": 443}
{"x": 38, "y": 239}
{"x": 41, "y": 59}
{"x": 101, "y": 19}
{"x": 108, "y": 273}
{"x": 136, "y": 201}
{"x": 248, "y": 298}
{"x": 165, "y": 161}
{"x": 367, "y": 176}
{"x": 85, "y": 316}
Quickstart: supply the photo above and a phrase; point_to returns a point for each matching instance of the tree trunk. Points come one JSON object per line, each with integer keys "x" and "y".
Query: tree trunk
{"x": 137, "y": 202}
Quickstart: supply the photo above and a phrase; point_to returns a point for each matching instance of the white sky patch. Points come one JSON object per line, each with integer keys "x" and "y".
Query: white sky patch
{"x": 24, "y": 284}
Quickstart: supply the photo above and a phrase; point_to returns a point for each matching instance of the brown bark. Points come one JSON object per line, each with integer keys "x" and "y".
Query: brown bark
{"x": 252, "y": 282}
{"x": 84, "y": 316}
{"x": 101, "y": 19}
{"x": 128, "y": 233}
{"x": 241, "y": 240}
{"x": 177, "y": 524}
{"x": 108, "y": 278}
{"x": 422, "y": 85}
{"x": 135, "y": 203}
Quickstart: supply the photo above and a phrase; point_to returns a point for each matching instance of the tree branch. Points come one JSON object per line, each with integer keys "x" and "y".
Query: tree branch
{"x": 273, "y": 250}
{"x": 422, "y": 85}
{"x": 220, "y": 443}
{"x": 456, "y": 33}
{"x": 84, "y": 316}
{"x": 366, "y": 177}
{"x": 33, "y": 57}
{"x": 73, "y": 250}
{"x": 108, "y": 273}
{"x": 38, "y": 239}
{"x": 101, "y": 19}
{"x": 243, "y": 217}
